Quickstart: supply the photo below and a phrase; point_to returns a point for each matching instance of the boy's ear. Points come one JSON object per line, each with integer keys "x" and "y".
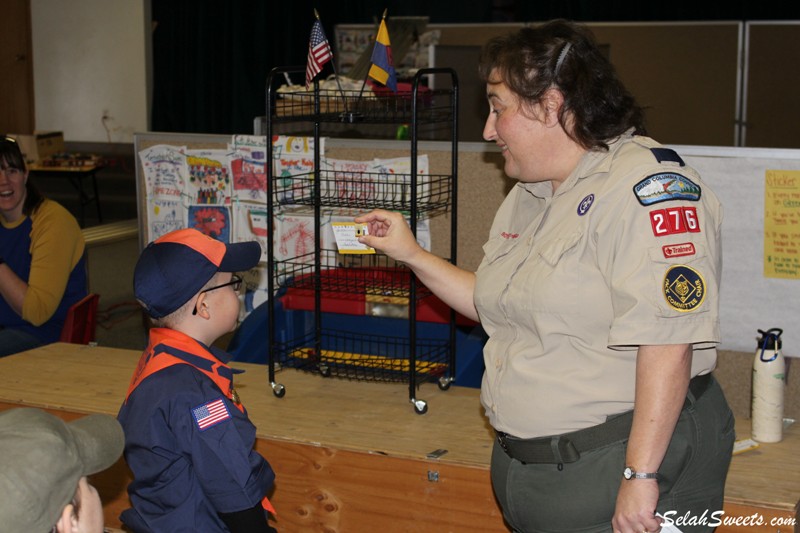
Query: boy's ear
{"x": 68, "y": 521}
{"x": 202, "y": 307}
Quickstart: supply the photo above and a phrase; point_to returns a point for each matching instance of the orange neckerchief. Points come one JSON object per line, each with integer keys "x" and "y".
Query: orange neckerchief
{"x": 168, "y": 347}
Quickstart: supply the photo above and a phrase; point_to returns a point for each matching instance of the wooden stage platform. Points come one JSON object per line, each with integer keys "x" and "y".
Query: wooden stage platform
{"x": 354, "y": 456}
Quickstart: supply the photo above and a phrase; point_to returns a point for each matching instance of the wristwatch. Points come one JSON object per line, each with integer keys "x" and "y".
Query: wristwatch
{"x": 630, "y": 473}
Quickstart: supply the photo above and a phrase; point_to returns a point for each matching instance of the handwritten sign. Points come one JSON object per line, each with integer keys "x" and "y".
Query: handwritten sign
{"x": 782, "y": 224}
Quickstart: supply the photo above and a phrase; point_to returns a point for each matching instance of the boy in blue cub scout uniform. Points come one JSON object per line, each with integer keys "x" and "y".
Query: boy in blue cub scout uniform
{"x": 188, "y": 439}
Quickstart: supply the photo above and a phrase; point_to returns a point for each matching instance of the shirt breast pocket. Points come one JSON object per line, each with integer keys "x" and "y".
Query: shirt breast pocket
{"x": 552, "y": 250}
{"x": 497, "y": 248}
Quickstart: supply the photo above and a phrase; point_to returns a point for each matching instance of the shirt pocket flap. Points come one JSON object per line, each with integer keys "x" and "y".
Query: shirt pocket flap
{"x": 552, "y": 250}
{"x": 496, "y": 248}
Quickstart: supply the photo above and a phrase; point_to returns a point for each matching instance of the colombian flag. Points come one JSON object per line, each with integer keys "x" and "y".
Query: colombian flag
{"x": 382, "y": 69}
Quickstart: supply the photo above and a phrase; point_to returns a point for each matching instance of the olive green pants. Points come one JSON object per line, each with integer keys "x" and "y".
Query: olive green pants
{"x": 581, "y": 496}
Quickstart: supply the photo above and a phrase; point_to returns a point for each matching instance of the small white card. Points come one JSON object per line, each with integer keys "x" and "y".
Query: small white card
{"x": 347, "y": 234}
{"x": 668, "y": 526}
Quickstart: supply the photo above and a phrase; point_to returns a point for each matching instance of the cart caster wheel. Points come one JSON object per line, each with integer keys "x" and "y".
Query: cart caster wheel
{"x": 325, "y": 370}
{"x": 420, "y": 406}
{"x": 444, "y": 383}
{"x": 278, "y": 390}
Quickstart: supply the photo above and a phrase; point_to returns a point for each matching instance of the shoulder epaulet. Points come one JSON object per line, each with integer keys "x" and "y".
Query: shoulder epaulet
{"x": 667, "y": 154}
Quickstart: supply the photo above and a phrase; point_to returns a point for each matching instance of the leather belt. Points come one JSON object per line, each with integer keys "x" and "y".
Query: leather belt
{"x": 567, "y": 448}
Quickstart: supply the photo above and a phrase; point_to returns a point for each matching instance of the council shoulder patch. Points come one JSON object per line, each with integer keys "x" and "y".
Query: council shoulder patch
{"x": 666, "y": 186}
{"x": 684, "y": 288}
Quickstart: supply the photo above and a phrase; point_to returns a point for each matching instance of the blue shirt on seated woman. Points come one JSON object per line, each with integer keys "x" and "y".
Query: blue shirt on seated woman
{"x": 42, "y": 259}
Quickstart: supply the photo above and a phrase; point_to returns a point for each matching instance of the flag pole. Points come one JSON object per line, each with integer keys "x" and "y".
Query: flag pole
{"x": 333, "y": 64}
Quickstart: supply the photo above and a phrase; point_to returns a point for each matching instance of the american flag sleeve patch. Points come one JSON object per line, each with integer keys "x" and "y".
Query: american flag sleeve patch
{"x": 210, "y": 414}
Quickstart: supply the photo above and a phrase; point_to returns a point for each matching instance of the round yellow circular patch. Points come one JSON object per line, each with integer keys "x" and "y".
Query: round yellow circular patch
{"x": 684, "y": 288}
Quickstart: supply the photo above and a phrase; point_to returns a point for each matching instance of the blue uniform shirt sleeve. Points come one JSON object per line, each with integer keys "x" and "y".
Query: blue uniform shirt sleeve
{"x": 233, "y": 475}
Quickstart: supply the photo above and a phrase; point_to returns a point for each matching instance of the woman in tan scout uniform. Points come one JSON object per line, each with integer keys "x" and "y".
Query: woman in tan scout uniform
{"x": 599, "y": 291}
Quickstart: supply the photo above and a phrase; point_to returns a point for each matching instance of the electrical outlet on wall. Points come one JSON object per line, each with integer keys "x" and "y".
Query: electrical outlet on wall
{"x": 106, "y": 120}
{"x": 113, "y": 128}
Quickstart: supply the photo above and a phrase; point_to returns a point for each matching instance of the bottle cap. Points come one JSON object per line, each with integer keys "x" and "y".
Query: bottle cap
{"x": 770, "y": 339}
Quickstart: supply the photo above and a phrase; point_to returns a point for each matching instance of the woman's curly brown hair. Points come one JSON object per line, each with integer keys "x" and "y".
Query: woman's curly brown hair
{"x": 564, "y": 55}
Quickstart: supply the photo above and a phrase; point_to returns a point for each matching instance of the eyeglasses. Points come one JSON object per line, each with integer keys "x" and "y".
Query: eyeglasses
{"x": 235, "y": 281}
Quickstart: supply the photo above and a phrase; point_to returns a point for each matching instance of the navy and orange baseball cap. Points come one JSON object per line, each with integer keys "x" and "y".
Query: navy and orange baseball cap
{"x": 174, "y": 267}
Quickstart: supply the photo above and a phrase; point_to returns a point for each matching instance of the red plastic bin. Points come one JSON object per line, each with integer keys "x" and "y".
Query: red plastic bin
{"x": 365, "y": 291}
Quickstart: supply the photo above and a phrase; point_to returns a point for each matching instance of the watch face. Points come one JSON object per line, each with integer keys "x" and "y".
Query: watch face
{"x": 628, "y": 472}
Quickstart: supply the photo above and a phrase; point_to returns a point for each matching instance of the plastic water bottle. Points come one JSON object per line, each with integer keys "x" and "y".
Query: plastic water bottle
{"x": 769, "y": 371}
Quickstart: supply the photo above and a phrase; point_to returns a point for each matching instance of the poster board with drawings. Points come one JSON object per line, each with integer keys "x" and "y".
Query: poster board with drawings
{"x": 749, "y": 299}
{"x": 213, "y": 183}
{"x": 217, "y": 185}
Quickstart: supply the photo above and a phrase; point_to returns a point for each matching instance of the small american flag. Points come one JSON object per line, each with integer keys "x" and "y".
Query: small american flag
{"x": 210, "y": 414}
{"x": 319, "y": 53}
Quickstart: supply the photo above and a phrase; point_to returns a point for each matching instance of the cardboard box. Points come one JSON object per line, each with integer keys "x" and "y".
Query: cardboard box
{"x": 40, "y": 145}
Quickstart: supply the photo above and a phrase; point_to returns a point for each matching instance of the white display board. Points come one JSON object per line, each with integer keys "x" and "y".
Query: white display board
{"x": 749, "y": 300}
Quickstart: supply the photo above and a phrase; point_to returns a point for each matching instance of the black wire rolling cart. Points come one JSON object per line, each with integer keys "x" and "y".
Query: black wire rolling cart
{"x": 369, "y": 281}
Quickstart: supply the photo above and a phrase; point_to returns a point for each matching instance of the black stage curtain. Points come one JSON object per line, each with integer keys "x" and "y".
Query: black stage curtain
{"x": 211, "y": 57}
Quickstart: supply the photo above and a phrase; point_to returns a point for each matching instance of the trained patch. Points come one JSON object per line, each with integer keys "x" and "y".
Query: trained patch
{"x": 678, "y": 250}
{"x": 684, "y": 288}
{"x": 210, "y": 414}
{"x": 664, "y": 187}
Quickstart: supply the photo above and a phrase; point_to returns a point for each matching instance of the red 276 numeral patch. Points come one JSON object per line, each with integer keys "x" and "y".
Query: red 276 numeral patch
{"x": 674, "y": 220}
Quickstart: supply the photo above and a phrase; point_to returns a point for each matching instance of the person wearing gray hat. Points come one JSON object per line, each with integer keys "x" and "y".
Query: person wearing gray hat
{"x": 44, "y": 462}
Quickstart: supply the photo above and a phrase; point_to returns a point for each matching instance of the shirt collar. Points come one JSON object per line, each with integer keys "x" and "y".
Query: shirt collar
{"x": 592, "y": 162}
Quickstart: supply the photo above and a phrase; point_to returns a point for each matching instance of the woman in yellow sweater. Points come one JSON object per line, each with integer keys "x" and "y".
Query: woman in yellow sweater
{"x": 42, "y": 259}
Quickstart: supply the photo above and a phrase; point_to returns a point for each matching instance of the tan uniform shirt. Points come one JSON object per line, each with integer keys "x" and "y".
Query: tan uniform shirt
{"x": 626, "y": 252}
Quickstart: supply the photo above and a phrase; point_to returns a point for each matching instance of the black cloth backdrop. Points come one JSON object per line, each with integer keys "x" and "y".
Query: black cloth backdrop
{"x": 211, "y": 57}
